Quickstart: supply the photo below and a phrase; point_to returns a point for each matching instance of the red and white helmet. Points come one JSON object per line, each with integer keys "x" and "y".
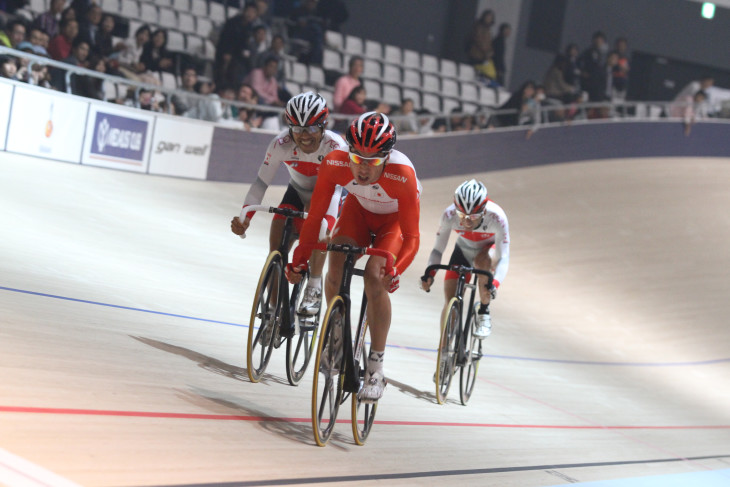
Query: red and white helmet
{"x": 307, "y": 109}
{"x": 471, "y": 197}
{"x": 371, "y": 132}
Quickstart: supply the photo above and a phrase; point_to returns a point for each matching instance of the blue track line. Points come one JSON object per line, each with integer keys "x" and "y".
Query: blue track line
{"x": 502, "y": 357}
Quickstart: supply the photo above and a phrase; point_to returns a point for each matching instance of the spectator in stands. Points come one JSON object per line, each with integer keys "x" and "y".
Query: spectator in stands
{"x": 307, "y": 25}
{"x": 592, "y": 63}
{"x": 49, "y": 20}
{"x": 180, "y": 102}
{"x": 104, "y": 39}
{"x": 615, "y": 80}
{"x": 8, "y": 67}
{"x": 37, "y": 37}
{"x": 621, "y": 73}
{"x": 13, "y": 34}
{"x": 9, "y": 7}
{"x": 148, "y": 101}
{"x": 404, "y": 118}
{"x": 555, "y": 84}
{"x": 499, "y": 46}
{"x": 227, "y": 94}
{"x": 460, "y": 121}
{"x": 81, "y": 7}
{"x": 209, "y": 109}
{"x": 686, "y": 96}
{"x": 354, "y": 104}
{"x": 695, "y": 109}
{"x": 60, "y": 46}
{"x": 346, "y": 82}
{"x": 89, "y": 25}
{"x": 130, "y": 55}
{"x": 277, "y": 49}
{"x": 259, "y": 42}
{"x": 571, "y": 72}
{"x": 155, "y": 56}
{"x": 90, "y": 86}
{"x": 519, "y": 106}
{"x": 263, "y": 12}
{"x": 250, "y": 117}
{"x": 333, "y": 14}
{"x": 233, "y": 53}
{"x": 263, "y": 81}
{"x": 479, "y": 48}
{"x": 77, "y": 57}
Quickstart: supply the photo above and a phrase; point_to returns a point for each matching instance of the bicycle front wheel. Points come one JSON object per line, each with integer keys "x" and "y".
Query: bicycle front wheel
{"x": 446, "y": 361}
{"x": 265, "y": 313}
{"x": 468, "y": 376}
{"x": 363, "y": 414}
{"x": 300, "y": 346}
{"x": 328, "y": 372}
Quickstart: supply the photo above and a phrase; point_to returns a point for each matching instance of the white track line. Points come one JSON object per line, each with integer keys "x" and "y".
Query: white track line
{"x": 19, "y": 472}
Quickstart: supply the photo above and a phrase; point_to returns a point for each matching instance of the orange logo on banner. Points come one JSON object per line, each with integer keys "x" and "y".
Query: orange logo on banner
{"x": 49, "y": 128}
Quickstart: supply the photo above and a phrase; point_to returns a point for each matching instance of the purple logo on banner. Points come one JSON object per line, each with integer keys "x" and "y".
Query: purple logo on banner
{"x": 119, "y": 137}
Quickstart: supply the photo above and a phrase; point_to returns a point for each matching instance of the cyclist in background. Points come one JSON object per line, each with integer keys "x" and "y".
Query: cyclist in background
{"x": 382, "y": 207}
{"x": 301, "y": 147}
{"x": 482, "y": 243}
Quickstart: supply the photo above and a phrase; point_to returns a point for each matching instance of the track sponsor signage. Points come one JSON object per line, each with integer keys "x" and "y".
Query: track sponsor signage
{"x": 181, "y": 147}
{"x": 117, "y": 138}
{"x": 45, "y": 123}
{"x": 6, "y": 92}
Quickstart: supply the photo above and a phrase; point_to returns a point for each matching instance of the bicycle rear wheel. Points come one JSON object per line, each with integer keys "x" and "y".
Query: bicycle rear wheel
{"x": 265, "y": 313}
{"x": 300, "y": 346}
{"x": 328, "y": 372}
{"x": 446, "y": 361}
{"x": 470, "y": 368}
{"x": 363, "y": 414}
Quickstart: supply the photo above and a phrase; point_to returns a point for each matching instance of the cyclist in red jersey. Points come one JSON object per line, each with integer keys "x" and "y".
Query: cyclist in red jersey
{"x": 383, "y": 208}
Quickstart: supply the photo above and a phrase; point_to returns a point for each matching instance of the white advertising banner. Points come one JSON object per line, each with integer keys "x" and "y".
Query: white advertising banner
{"x": 181, "y": 148}
{"x": 6, "y": 91}
{"x": 117, "y": 138}
{"x": 45, "y": 123}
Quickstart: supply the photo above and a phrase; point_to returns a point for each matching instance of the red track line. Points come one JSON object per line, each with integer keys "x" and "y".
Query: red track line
{"x": 232, "y": 417}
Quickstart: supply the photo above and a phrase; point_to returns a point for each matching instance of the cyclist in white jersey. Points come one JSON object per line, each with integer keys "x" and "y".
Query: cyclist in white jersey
{"x": 482, "y": 243}
{"x": 301, "y": 148}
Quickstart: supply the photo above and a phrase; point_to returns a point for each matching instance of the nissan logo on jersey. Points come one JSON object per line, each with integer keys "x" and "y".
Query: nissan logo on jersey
{"x": 119, "y": 137}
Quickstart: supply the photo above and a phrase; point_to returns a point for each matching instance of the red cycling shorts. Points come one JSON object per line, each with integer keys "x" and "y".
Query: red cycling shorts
{"x": 359, "y": 224}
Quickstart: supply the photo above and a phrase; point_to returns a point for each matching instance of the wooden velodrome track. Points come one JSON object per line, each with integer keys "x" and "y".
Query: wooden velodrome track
{"x": 124, "y": 302}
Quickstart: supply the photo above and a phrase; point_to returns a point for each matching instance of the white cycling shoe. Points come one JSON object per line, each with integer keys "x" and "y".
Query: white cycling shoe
{"x": 311, "y": 301}
{"x": 483, "y": 326}
{"x": 373, "y": 387}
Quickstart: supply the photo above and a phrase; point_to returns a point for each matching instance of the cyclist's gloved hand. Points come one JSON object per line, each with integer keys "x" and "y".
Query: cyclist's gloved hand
{"x": 394, "y": 281}
{"x": 294, "y": 273}
{"x": 493, "y": 290}
{"x": 426, "y": 282}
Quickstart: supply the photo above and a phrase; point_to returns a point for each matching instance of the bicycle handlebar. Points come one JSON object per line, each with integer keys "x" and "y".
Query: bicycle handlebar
{"x": 288, "y": 212}
{"x": 353, "y": 249}
{"x": 272, "y": 209}
{"x": 456, "y": 268}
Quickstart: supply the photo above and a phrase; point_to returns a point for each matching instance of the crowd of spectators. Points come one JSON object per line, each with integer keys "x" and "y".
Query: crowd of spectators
{"x": 254, "y": 46}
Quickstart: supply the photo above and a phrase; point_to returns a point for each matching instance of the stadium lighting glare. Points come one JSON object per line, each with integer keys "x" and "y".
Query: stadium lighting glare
{"x": 708, "y": 10}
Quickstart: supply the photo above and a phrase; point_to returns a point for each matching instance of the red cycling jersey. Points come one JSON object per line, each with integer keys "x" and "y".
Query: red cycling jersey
{"x": 397, "y": 191}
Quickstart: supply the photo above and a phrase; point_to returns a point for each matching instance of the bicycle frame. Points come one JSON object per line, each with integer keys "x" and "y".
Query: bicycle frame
{"x": 287, "y": 326}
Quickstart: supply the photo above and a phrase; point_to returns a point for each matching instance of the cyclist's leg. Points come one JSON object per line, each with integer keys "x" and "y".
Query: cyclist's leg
{"x": 388, "y": 237}
{"x": 483, "y": 261}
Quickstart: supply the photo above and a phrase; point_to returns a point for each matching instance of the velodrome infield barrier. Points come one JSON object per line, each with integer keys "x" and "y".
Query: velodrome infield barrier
{"x": 53, "y": 125}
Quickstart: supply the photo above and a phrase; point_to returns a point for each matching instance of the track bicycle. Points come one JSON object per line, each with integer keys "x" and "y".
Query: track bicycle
{"x": 341, "y": 359}
{"x": 458, "y": 347}
{"x": 274, "y": 315}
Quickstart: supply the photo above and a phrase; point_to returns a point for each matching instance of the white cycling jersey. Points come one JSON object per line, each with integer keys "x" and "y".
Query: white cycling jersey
{"x": 493, "y": 230}
{"x": 303, "y": 168}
